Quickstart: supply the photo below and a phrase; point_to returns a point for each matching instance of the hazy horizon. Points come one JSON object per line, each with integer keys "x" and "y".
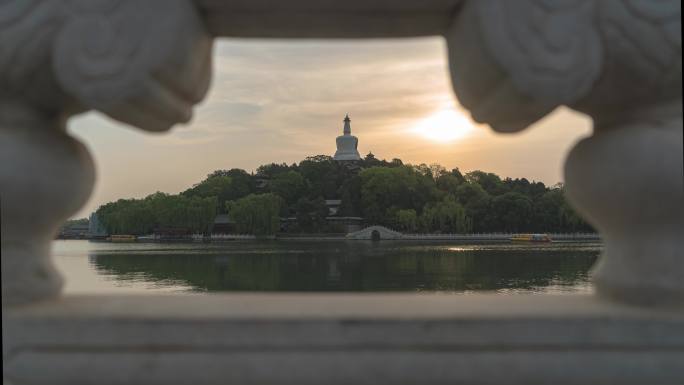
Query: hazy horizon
{"x": 281, "y": 101}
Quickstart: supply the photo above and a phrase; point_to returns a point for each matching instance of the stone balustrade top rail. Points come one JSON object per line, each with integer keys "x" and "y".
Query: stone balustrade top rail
{"x": 328, "y": 19}
{"x": 342, "y": 339}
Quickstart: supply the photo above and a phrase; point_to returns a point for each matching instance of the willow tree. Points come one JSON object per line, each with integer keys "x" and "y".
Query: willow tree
{"x": 446, "y": 216}
{"x": 256, "y": 214}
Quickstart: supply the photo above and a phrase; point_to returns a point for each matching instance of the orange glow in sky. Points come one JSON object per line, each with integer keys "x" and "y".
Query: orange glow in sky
{"x": 443, "y": 126}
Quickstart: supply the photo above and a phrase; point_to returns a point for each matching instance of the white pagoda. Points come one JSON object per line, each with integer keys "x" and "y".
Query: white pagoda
{"x": 347, "y": 144}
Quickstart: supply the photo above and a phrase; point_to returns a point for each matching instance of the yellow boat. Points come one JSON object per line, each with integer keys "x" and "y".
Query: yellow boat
{"x": 530, "y": 238}
{"x": 121, "y": 238}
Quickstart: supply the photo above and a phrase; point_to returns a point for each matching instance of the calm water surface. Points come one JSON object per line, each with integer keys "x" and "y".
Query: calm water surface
{"x": 91, "y": 267}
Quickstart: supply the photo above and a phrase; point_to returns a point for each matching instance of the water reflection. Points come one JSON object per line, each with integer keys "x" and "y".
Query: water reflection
{"x": 352, "y": 266}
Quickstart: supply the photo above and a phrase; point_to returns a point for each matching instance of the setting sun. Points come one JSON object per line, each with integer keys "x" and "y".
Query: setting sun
{"x": 445, "y": 125}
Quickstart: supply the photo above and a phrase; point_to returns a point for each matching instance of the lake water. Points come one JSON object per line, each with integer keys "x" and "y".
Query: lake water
{"x": 92, "y": 267}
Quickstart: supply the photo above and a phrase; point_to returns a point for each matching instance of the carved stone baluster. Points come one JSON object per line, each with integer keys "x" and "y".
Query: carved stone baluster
{"x": 45, "y": 176}
{"x": 512, "y": 62}
{"x": 142, "y": 63}
{"x": 627, "y": 180}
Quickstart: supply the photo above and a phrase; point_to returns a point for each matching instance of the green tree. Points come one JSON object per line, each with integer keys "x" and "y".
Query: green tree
{"x": 477, "y": 204}
{"x": 437, "y": 170}
{"x": 76, "y": 222}
{"x": 212, "y": 186}
{"x": 323, "y": 174}
{"x": 512, "y": 211}
{"x": 448, "y": 183}
{"x": 456, "y": 173}
{"x": 424, "y": 170}
{"x": 350, "y": 194}
{"x": 311, "y": 214}
{"x": 219, "y": 186}
{"x": 242, "y": 184}
{"x": 446, "y": 216}
{"x": 406, "y": 220}
{"x": 289, "y": 185}
{"x": 547, "y": 216}
{"x": 383, "y": 188}
{"x": 553, "y": 213}
{"x": 158, "y": 210}
{"x": 490, "y": 182}
{"x": 256, "y": 214}
{"x": 272, "y": 169}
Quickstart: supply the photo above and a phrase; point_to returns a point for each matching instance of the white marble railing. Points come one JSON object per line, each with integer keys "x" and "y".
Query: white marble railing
{"x": 146, "y": 63}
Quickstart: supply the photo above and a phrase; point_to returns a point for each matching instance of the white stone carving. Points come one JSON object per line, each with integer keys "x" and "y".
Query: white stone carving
{"x": 341, "y": 339}
{"x": 142, "y": 63}
{"x": 45, "y": 176}
{"x": 512, "y": 62}
{"x": 627, "y": 180}
{"x": 620, "y": 62}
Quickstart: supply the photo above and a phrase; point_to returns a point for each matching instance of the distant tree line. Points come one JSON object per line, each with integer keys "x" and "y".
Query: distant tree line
{"x": 75, "y": 222}
{"x": 409, "y": 198}
{"x": 159, "y": 211}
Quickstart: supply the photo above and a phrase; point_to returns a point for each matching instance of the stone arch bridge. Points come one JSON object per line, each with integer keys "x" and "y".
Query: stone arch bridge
{"x": 375, "y": 233}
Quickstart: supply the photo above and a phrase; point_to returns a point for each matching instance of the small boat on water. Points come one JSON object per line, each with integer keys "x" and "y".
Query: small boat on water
{"x": 530, "y": 238}
{"x": 121, "y": 238}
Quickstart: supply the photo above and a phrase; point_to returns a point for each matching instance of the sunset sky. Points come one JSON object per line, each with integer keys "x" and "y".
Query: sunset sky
{"x": 280, "y": 101}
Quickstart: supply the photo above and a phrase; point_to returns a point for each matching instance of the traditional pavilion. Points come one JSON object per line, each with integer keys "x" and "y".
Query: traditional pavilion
{"x": 347, "y": 144}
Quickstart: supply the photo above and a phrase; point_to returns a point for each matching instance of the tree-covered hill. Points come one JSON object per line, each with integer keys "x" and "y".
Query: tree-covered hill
{"x": 409, "y": 198}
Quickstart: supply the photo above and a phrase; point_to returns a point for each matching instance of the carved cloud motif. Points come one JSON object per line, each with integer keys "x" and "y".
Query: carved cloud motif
{"x": 513, "y": 62}
{"x": 145, "y": 63}
{"x": 27, "y": 29}
{"x": 643, "y": 50}
{"x": 550, "y": 48}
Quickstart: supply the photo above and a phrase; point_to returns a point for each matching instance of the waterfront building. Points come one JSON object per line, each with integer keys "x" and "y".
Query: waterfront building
{"x": 333, "y": 206}
{"x": 333, "y": 225}
{"x": 345, "y": 224}
{"x": 223, "y": 224}
{"x": 73, "y": 231}
{"x": 347, "y": 144}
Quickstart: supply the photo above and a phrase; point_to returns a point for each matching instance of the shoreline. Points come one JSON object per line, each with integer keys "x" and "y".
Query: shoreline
{"x": 477, "y": 238}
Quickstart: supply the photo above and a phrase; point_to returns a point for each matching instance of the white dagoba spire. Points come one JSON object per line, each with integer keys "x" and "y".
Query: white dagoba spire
{"x": 347, "y": 125}
{"x": 347, "y": 144}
